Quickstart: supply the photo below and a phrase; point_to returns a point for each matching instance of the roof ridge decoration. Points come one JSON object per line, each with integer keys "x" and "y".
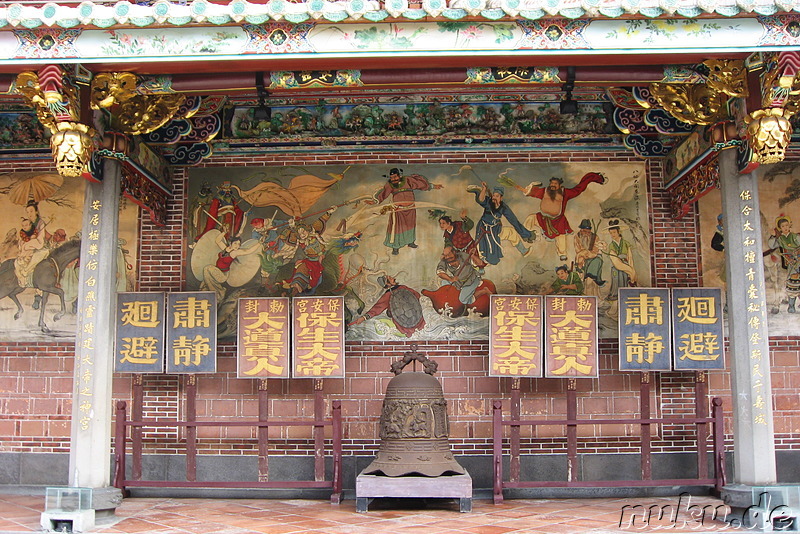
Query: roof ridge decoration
{"x": 180, "y": 13}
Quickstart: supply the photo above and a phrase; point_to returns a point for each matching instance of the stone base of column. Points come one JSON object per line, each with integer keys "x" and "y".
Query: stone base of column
{"x": 106, "y": 500}
{"x": 73, "y": 509}
{"x": 60, "y": 521}
{"x": 766, "y": 508}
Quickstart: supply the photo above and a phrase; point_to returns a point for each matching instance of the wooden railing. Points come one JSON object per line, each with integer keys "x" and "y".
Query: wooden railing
{"x": 699, "y": 420}
{"x": 318, "y": 425}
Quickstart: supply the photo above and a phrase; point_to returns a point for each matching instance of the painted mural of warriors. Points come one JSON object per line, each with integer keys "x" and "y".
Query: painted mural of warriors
{"x": 401, "y": 304}
{"x": 490, "y": 225}
{"x": 718, "y": 244}
{"x": 307, "y": 272}
{"x": 308, "y": 269}
{"x": 265, "y": 233}
{"x": 199, "y": 210}
{"x": 216, "y": 274}
{"x": 224, "y": 212}
{"x": 263, "y": 230}
{"x": 623, "y": 272}
{"x": 456, "y": 269}
{"x": 588, "y": 258}
{"x": 552, "y": 218}
{"x": 566, "y": 283}
{"x": 718, "y": 240}
{"x": 457, "y": 235}
{"x": 787, "y": 244}
{"x": 401, "y": 230}
{"x": 303, "y": 243}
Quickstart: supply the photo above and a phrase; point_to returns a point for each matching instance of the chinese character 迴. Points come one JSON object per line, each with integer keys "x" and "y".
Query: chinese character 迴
{"x": 698, "y": 310}
{"x": 143, "y": 314}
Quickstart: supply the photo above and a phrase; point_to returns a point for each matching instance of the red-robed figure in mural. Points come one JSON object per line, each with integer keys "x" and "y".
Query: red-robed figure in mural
{"x": 402, "y": 227}
{"x": 551, "y": 217}
{"x": 224, "y": 212}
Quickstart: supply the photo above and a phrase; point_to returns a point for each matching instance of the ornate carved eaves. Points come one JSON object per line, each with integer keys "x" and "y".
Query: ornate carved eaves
{"x": 186, "y": 140}
{"x": 704, "y": 103}
{"x": 182, "y": 125}
{"x": 145, "y": 193}
{"x": 131, "y": 111}
{"x": 768, "y": 129}
{"x": 769, "y": 133}
{"x": 780, "y": 86}
{"x": 695, "y": 104}
{"x": 52, "y": 95}
{"x": 694, "y": 185}
{"x": 144, "y": 178}
{"x": 727, "y": 76}
{"x": 646, "y": 148}
{"x": 649, "y": 131}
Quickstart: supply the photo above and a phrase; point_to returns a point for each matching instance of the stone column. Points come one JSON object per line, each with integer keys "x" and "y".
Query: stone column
{"x": 90, "y": 449}
{"x": 754, "y": 444}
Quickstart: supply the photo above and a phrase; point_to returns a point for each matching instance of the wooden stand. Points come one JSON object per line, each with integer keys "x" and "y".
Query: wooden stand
{"x": 369, "y": 487}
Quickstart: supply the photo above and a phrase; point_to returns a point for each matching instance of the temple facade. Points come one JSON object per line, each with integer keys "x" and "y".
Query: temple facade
{"x": 424, "y": 170}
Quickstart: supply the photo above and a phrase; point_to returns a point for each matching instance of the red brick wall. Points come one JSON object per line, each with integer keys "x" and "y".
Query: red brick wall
{"x": 36, "y": 379}
{"x": 35, "y": 397}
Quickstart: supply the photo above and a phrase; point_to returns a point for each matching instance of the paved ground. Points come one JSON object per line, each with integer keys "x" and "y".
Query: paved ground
{"x": 21, "y": 513}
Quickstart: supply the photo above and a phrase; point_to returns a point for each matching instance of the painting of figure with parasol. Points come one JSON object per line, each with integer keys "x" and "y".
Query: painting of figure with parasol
{"x": 39, "y": 254}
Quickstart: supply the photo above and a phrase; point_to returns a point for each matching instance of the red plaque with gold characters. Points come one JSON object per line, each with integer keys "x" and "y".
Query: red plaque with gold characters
{"x": 570, "y": 336}
{"x": 515, "y": 335}
{"x": 318, "y": 340}
{"x": 263, "y": 335}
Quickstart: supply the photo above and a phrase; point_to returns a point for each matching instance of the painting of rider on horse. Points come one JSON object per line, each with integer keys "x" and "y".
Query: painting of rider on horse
{"x": 40, "y": 244}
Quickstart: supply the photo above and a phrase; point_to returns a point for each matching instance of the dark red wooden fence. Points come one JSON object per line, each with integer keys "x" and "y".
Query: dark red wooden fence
{"x": 700, "y": 420}
{"x": 318, "y": 424}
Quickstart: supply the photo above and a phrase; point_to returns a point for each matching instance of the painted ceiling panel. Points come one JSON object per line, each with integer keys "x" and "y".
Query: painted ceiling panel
{"x": 411, "y": 39}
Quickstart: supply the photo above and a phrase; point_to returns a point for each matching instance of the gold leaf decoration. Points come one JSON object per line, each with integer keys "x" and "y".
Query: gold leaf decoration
{"x": 692, "y": 103}
{"x": 727, "y": 76}
{"x": 769, "y": 132}
{"x": 109, "y": 88}
{"x": 72, "y": 146}
{"x": 145, "y": 113}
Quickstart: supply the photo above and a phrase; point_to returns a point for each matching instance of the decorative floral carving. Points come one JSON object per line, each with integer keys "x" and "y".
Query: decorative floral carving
{"x": 72, "y": 144}
{"x": 696, "y": 104}
{"x": 692, "y": 187}
{"x": 769, "y": 132}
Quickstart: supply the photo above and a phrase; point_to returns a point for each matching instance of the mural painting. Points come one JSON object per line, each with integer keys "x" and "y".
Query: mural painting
{"x": 779, "y": 197}
{"x": 416, "y": 250}
{"x": 419, "y": 119}
{"x": 21, "y": 129}
{"x": 39, "y": 253}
